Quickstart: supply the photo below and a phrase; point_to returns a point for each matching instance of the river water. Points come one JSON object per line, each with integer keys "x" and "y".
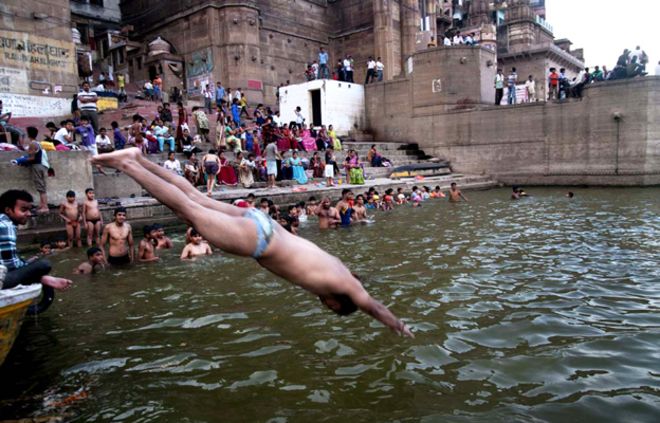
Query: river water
{"x": 544, "y": 309}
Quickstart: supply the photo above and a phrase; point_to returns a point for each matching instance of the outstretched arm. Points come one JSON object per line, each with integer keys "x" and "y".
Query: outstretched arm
{"x": 367, "y": 304}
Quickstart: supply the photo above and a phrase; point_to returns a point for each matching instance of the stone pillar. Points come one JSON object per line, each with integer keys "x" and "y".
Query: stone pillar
{"x": 384, "y": 38}
{"x": 431, "y": 12}
{"x": 409, "y": 28}
{"x": 520, "y": 23}
{"x": 239, "y": 51}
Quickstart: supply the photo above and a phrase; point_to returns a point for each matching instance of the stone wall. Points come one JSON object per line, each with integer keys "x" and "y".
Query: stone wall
{"x": 72, "y": 172}
{"x": 576, "y": 142}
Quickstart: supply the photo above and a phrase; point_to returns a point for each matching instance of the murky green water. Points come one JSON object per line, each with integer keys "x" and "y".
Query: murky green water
{"x": 542, "y": 309}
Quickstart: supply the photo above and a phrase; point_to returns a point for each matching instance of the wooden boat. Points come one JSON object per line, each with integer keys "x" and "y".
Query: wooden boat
{"x": 14, "y": 304}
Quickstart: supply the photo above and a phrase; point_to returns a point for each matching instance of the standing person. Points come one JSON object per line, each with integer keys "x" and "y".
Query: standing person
{"x": 512, "y": 79}
{"x": 211, "y": 163}
{"x": 37, "y": 160}
{"x": 455, "y": 194}
{"x": 70, "y": 213}
{"x": 271, "y": 155}
{"x": 182, "y": 123}
{"x": 300, "y": 120}
{"x": 87, "y": 104}
{"x": 328, "y": 216}
{"x": 92, "y": 218}
{"x": 371, "y": 70}
{"x": 324, "y": 72}
{"x": 219, "y": 94}
{"x": 119, "y": 138}
{"x": 15, "y": 208}
{"x": 208, "y": 96}
{"x": 348, "y": 68}
{"x": 380, "y": 67}
{"x": 121, "y": 84}
{"x": 236, "y": 112}
{"x": 341, "y": 75}
{"x": 158, "y": 87}
{"x": 149, "y": 90}
{"x": 244, "y": 105}
{"x": 119, "y": 236}
{"x": 553, "y": 84}
{"x": 530, "y": 89}
{"x": 329, "y": 169}
{"x": 499, "y": 87}
{"x": 201, "y": 122}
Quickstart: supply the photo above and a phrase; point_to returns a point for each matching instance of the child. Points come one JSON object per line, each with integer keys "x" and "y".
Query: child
{"x": 330, "y": 165}
{"x": 60, "y": 245}
{"x": 161, "y": 240}
{"x": 70, "y": 213}
{"x": 400, "y": 196}
{"x": 311, "y": 206}
{"x": 92, "y": 219}
{"x": 45, "y": 249}
{"x": 437, "y": 193}
{"x": 120, "y": 140}
{"x": 95, "y": 261}
{"x": 426, "y": 193}
{"x": 103, "y": 142}
{"x": 388, "y": 200}
{"x": 196, "y": 247}
{"x": 146, "y": 250}
{"x": 88, "y": 138}
{"x": 416, "y": 197}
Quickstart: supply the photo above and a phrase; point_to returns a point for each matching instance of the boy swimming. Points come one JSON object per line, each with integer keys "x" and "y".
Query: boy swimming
{"x": 196, "y": 247}
{"x": 249, "y": 232}
{"x": 95, "y": 261}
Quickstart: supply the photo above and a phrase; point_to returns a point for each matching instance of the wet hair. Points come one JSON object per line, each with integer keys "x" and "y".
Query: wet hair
{"x": 312, "y": 198}
{"x": 32, "y": 132}
{"x": 389, "y": 191}
{"x": 570, "y": 194}
{"x": 453, "y": 184}
{"x": 193, "y": 233}
{"x": 70, "y": 193}
{"x": 157, "y": 226}
{"x": 360, "y": 196}
{"x": 119, "y": 210}
{"x": 44, "y": 243}
{"x": 414, "y": 188}
{"x": 263, "y": 200}
{"x": 250, "y": 195}
{"x": 345, "y": 191}
{"x": 147, "y": 229}
{"x": 93, "y": 250}
{"x": 88, "y": 190}
{"x": 346, "y": 305}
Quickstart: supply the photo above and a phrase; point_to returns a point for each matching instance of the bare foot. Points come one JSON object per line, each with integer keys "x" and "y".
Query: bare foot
{"x": 116, "y": 158}
{"x": 55, "y": 282}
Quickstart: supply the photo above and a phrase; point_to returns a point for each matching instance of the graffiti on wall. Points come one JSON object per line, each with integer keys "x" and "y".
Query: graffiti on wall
{"x": 13, "y": 80}
{"x": 35, "y": 106}
{"x": 201, "y": 62}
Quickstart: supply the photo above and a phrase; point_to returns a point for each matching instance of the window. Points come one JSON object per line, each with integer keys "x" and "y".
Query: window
{"x": 96, "y": 2}
{"x": 139, "y": 63}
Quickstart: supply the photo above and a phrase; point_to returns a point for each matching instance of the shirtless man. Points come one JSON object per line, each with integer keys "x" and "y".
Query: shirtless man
{"x": 95, "y": 261}
{"x": 328, "y": 215}
{"x": 119, "y": 236}
{"x": 455, "y": 194}
{"x": 146, "y": 248}
{"x": 249, "y": 232}
{"x": 196, "y": 247}
{"x": 92, "y": 219}
{"x": 359, "y": 209}
{"x": 70, "y": 213}
{"x": 161, "y": 240}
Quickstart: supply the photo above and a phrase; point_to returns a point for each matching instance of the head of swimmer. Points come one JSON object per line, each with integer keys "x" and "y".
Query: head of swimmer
{"x": 341, "y": 304}
{"x": 120, "y": 215}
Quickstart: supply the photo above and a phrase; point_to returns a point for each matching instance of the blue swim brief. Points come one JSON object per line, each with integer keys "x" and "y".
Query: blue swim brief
{"x": 265, "y": 230}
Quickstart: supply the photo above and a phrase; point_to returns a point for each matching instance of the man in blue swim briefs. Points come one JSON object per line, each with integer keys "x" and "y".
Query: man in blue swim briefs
{"x": 252, "y": 233}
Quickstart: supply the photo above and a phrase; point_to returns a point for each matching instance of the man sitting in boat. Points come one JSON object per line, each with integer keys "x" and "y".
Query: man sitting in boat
{"x": 15, "y": 208}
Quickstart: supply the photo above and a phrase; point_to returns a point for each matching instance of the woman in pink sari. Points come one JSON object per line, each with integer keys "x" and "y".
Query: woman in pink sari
{"x": 227, "y": 175}
{"x": 308, "y": 142}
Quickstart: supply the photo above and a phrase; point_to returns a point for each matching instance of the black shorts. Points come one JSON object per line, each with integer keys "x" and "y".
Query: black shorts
{"x": 119, "y": 261}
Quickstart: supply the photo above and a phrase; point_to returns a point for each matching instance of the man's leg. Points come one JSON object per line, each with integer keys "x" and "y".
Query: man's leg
{"x": 235, "y": 235}
{"x": 27, "y": 275}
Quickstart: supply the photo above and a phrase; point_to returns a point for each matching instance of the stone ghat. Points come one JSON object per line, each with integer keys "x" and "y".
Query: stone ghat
{"x": 146, "y": 210}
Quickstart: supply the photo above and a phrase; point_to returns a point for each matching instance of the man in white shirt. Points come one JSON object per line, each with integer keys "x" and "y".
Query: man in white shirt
{"x": 238, "y": 94}
{"x": 315, "y": 69}
{"x": 380, "y": 67}
{"x": 103, "y": 142}
{"x": 458, "y": 39}
{"x": 530, "y": 88}
{"x": 149, "y": 90}
{"x": 87, "y": 104}
{"x": 446, "y": 41}
{"x": 371, "y": 70}
{"x": 207, "y": 92}
{"x": 277, "y": 119}
{"x": 64, "y": 135}
{"x": 348, "y": 68}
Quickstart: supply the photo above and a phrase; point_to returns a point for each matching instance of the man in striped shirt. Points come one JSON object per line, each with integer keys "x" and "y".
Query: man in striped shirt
{"x": 87, "y": 104}
{"x": 15, "y": 208}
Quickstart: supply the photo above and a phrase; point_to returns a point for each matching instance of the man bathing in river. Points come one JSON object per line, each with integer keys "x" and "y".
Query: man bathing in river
{"x": 118, "y": 234}
{"x": 455, "y": 194}
{"x": 249, "y": 232}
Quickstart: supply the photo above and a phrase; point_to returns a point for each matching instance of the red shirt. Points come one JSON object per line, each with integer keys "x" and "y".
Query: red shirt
{"x": 554, "y": 79}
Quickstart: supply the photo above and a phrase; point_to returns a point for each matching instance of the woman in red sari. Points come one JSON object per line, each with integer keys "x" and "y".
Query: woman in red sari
{"x": 317, "y": 166}
{"x": 227, "y": 175}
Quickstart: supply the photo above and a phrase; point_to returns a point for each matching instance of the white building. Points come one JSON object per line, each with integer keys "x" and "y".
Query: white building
{"x": 325, "y": 102}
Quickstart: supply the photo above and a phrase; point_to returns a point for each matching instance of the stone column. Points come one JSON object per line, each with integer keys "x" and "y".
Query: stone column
{"x": 384, "y": 44}
{"x": 431, "y": 12}
{"x": 410, "y": 17}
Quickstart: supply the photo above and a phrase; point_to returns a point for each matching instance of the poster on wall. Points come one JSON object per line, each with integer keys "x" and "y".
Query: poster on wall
{"x": 198, "y": 71}
{"x": 27, "y": 51}
{"x": 13, "y": 80}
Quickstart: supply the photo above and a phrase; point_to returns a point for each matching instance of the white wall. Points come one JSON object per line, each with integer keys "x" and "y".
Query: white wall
{"x": 342, "y": 104}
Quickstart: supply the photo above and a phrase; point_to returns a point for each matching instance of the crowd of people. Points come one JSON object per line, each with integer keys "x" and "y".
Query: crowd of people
{"x": 344, "y": 68}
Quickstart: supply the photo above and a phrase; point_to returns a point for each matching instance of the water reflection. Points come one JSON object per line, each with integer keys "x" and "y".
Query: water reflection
{"x": 538, "y": 309}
